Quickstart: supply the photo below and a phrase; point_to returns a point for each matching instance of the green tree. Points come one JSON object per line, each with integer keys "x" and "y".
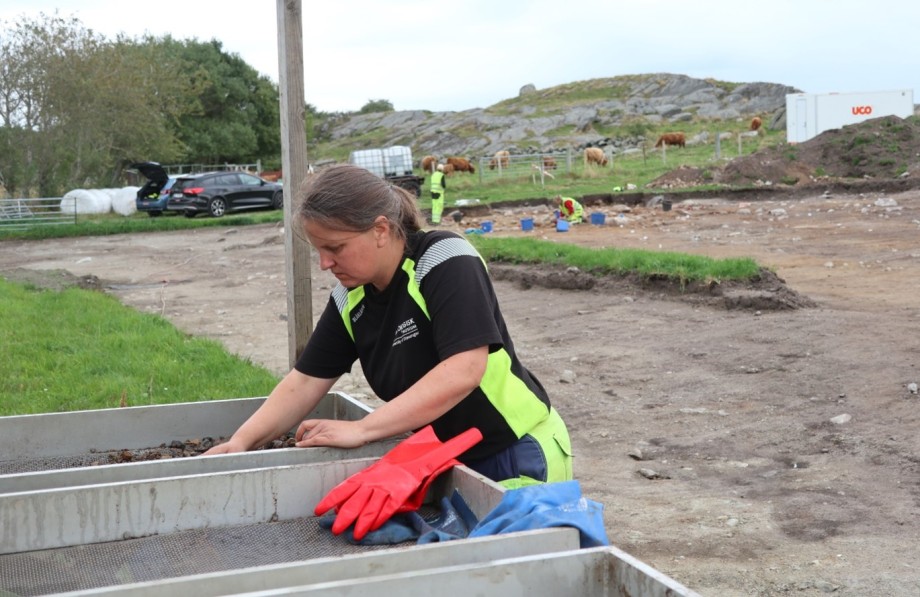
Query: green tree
{"x": 236, "y": 114}
{"x": 74, "y": 107}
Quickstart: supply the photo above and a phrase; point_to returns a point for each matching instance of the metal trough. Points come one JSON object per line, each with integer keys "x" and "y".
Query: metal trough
{"x": 91, "y": 536}
{"x": 598, "y": 572}
{"x": 252, "y": 532}
{"x": 60, "y": 449}
{"x": 243, "y": 524}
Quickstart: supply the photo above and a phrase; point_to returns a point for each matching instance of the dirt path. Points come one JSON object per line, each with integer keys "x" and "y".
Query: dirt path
{"x": 741, "y": 451}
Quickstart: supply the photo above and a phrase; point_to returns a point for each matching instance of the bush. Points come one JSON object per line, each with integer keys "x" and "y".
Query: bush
{"x": 380, "y": 105}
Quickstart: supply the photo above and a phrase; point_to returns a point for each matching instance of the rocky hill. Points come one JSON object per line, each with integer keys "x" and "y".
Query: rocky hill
{"x": 610, "y": 112}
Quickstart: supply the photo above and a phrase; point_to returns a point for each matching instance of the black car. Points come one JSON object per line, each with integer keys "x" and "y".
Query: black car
{"x": 152, "y": 197}
{"x": 218, "y": 193}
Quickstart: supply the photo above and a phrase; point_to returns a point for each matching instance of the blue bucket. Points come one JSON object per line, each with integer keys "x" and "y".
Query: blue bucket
{"x": 562, "y": 226}
{"x": 597, "y": 218}
{"x": 487, "y": 226}
{"x": 527, "y": 224}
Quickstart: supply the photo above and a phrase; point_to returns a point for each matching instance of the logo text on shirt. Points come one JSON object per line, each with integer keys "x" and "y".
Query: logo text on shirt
{"x": 357, "y": 314}
{"x": 405, "y": 331}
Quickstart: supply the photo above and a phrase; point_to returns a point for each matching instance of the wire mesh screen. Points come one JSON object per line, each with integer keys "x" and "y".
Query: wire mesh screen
{"x": 171, "y": 555}
{"x": 31, "y": 465}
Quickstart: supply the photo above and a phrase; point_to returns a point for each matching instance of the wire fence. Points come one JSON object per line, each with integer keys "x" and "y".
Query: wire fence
{"x": 539, "y": 167}
{"x": 18, "y": 214}
{"x": 176, "y": 169}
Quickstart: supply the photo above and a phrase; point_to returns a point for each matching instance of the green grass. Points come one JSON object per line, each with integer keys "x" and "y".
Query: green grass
{"x": 78, "y": 349}
{"x": 635, "y": 168}
{"x": 102, "y": 225}
{"x": 680, "y": 266}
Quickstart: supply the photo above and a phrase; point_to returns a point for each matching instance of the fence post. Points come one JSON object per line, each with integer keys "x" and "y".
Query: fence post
{"x": 718, "y": 144}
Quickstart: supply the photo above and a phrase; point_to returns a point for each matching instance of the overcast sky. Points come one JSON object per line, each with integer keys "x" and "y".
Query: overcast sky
{"x": 446, "y": 56}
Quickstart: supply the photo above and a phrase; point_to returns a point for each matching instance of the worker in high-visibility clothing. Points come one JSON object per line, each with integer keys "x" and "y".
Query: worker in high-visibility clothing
{"x": 438, "y": 190}
{"x": 418, "y": 310}
{"x": 569, "y": 210}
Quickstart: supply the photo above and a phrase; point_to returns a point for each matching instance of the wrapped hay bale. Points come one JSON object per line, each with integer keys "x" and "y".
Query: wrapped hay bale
{"x": 84, "y": 202}
{"x": 124, "y": 200}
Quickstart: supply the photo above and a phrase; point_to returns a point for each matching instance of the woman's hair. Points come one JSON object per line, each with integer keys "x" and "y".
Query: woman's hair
{"x": 347, "y": 197}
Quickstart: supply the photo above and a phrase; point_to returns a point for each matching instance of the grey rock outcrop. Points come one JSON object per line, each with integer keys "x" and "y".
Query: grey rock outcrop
{"x": 526, "y": 124}
{"x": 526, "y": 89}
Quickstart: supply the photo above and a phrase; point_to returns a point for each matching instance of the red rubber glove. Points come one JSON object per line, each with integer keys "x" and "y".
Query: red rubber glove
{"x": 395, "y": 483}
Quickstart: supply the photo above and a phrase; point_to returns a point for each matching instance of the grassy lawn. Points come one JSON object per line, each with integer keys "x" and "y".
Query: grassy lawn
{"x": 78, "y": 350}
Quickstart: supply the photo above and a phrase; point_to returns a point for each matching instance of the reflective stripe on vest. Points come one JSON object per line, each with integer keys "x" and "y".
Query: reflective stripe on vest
{"x": 437, "y": 182}
{"x": 503, "y": 389}
{"x": 499, "y": 385}
{"x": 346, "y": 300}
{"x": 577, "y": 210}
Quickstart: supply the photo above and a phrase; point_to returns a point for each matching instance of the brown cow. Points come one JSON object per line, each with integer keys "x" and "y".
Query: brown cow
{"x": 549, "y": 163}
{"x": 755, "y": 123}
{"x": 448, "y": 169}
{"x": 595, "y": 155}
{"x": 500, "y": 160}
{"x": 429, "y": 163}
{"x": 461, "y": 165}
{"x": 270, "y": 175}
{"x": 678, "y": 139}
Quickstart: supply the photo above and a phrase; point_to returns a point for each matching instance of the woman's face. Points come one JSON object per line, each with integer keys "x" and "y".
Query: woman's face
{"x": 354, "y": 258}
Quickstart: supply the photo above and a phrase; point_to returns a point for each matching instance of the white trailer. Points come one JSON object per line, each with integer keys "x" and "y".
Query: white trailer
{"x": 810, "y": 114}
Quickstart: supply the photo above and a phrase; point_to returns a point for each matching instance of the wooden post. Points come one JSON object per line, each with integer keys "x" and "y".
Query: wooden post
{"x": 294, "y": 168}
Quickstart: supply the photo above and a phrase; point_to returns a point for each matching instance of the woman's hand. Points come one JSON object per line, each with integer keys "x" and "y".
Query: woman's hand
{"x": 228, "y": 447}
{"x": 328, "y": 432}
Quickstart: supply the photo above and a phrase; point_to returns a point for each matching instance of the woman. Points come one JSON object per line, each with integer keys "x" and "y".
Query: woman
{"x": 418, "y": 309}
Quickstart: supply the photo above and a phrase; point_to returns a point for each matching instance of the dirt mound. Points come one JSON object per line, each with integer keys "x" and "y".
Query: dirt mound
{"x": 57, "y": 279}
{"x": 682, "y": 177}
{"x": 878, "y": 149}
{"x": 765, "y": 292}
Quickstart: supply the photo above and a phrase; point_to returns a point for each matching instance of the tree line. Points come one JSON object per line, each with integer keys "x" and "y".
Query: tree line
{"x": 76, "y": 109}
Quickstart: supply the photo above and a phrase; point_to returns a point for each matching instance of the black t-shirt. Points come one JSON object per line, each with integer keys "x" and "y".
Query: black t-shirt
{"x": 397, "y": 342}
